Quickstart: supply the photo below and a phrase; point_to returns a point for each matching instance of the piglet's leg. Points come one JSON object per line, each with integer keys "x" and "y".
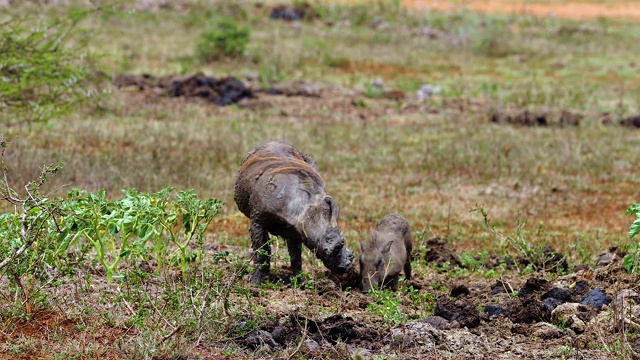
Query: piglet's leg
{"x": 407, "y": 270}
{"x": 261, "y": 252}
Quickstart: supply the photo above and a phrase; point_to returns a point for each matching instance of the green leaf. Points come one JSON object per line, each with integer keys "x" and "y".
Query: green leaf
{"x": 633, "y": 209}
{"x": 629, "y": 262}
{"x": 634, "y": 229}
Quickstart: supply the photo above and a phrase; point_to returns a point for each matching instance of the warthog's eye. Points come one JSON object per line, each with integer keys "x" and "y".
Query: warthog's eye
{"x": 378, "y": 263}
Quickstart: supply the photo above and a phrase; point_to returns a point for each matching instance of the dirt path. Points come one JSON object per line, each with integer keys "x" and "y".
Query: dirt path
{"x": 569, "y": 9}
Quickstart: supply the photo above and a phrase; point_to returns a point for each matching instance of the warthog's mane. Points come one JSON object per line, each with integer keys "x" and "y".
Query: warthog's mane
{"x": 261, "y": 164}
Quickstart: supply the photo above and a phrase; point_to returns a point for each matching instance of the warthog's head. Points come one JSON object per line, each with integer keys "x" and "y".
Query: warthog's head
{"x": 320, "y": 227}
{"x": 375, "y": 266}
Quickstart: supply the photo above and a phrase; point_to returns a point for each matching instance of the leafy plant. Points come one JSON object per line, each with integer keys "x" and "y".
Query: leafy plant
{"x": 225, "y": 38}
{"x": 630, "y": 261}
{"x": 195, "y": 216}
{"x": 123, "y": 228}
{"x": 386, "y": 305}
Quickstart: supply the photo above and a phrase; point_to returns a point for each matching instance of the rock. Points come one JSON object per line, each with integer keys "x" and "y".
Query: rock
{"x": 571, "y": 315}
{"x": 606, "y": 259}
{"x": 425, "y": 92}
{"x": 623, "y": 297}
{"x": 311, "y": 345}
{"x": 552, "y": 303}
{"x": 359, "y": 353}
{"x": 625, "y": 303}
{"x": 547, "y": 331}
{"x": 415, "y": 334}
{"x": 596, "y": 298}
{"x": 258, "y": 338}
{"x": 438, "y": 322}
{"x": 493, "y": 310}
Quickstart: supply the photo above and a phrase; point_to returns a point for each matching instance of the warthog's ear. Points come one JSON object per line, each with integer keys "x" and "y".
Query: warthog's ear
{"x": 331, "y": 211}
{"x": 363, "y": 246}
{"x": 387, "y": 247}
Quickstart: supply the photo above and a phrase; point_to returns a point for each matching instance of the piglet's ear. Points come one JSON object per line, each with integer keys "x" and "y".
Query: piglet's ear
{"x": 387, "y": 247}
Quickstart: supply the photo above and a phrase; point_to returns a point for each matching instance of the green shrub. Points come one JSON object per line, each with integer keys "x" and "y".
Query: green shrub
{"x": 225, "y": 38}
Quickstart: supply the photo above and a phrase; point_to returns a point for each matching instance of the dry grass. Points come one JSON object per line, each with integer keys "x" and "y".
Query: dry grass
{"x": 431, "y": 162}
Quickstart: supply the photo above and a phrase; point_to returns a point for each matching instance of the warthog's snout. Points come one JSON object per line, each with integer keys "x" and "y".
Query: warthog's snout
{"x": 342, "y": 263}
{"x": 334, "y": 254}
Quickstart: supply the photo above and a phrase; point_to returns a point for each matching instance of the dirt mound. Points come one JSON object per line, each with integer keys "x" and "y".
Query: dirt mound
{"x": 632, "y": 121}
{"x": 461, "y": 311}
{"x": 316, "y": 335}
{"x": 222, "y": 91}
{"x": 540, "y": 118}
{"x": 440, "y": 253}
{"x": 295, "y": 12}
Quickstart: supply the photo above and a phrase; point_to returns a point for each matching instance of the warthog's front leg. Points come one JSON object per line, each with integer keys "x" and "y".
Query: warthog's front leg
{"x": 261, "y": 252}
{"x": 295, "y": 252}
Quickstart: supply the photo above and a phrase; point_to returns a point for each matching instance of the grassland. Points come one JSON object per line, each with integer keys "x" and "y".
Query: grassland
{"x": 430, "y": 161}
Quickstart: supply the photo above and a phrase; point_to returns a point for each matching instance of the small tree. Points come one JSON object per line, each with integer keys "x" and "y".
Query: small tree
{"x": 41, "y": 74}
{"x": 26, "y": 234}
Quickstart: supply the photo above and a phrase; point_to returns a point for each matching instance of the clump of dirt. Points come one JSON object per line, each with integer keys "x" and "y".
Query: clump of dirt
{"x": 461, "y": 311}
{"x": 540, "y": 118}
{"x": 296, "y": 12}
{"x": 220, "y": 91}
{"x": 537, "y": 299}
{"x": 632, "y": 121}
{"x": 440, "y": 253}
{"x": 524, "y": 118}
{"x": 318, "y": 334}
